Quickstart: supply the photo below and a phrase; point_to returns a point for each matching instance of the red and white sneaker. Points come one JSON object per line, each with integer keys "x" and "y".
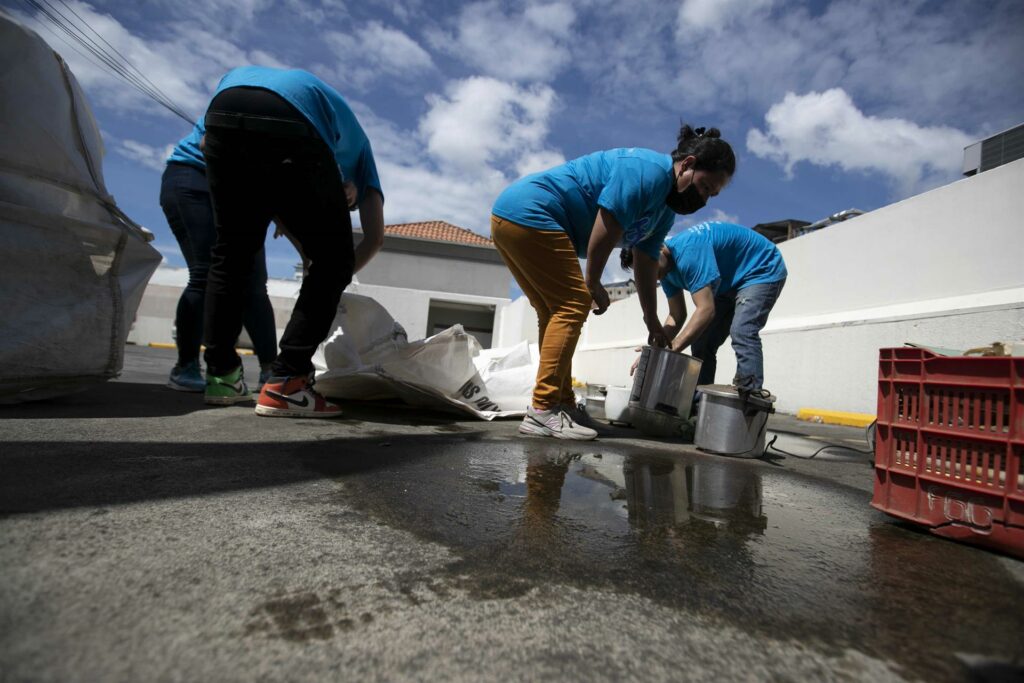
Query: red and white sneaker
{"x": 293, "y": 397}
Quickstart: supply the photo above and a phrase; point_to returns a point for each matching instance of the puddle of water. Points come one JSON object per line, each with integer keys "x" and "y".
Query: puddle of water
{"x": 766, "y": 550}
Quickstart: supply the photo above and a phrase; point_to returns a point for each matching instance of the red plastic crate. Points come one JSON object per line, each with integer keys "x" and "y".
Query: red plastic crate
{"x": 949, "y": 449}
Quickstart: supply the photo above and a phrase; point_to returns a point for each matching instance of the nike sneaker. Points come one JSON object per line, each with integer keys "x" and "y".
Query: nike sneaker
{"x": 227, "y": 389}
{"x": 557, "y": 423}
{"x": 293, "y": 397}
{"x": 187, "y": 378}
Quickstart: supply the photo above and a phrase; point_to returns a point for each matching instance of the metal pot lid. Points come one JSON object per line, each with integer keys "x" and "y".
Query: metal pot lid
{"x": 729, "y": 391}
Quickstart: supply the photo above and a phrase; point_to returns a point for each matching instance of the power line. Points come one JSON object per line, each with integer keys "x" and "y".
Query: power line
{"x": 110, "y": 59}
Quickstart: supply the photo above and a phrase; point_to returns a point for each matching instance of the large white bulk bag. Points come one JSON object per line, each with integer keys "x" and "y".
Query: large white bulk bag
{"x": 74, "y": 266}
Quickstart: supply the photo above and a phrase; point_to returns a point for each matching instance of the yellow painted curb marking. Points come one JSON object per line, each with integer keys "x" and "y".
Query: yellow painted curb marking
{"x": 165, "y": 345}
{"x": 835, "y": 417}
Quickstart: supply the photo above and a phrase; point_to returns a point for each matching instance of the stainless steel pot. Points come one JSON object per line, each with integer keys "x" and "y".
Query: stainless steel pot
{"x": 662, "y": 394}
{"x": 728, "y": 424}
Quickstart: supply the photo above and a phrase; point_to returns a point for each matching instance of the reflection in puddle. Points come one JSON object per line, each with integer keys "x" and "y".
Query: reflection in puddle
{"x": 647, "y": 494}
{"x": 659, "y": 492}
{"x": 767, "y": 550}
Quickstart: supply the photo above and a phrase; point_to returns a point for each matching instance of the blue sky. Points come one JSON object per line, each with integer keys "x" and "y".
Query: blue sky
{"x": 829, "y": 105}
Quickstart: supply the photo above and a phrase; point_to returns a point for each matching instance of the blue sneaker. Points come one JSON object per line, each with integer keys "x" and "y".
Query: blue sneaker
{"x": 265, "y": 376}
{"x": 187, "y": 378}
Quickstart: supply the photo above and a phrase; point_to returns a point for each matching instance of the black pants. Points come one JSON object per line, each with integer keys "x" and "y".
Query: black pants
{"x": 185, "y": 199}
{"x": 255, "y": 176}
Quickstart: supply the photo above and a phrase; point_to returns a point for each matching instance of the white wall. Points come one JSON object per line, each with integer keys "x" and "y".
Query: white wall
{"x": 945, "y": 268}
{"x": 410, "y": 307}
{"x": 415, "y": 271}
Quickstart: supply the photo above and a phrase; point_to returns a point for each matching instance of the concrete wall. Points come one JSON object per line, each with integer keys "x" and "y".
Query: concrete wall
{"x": 421, "y": 271}
{"x": 943, "y": 268}
{"x": 411, "y": 307}
{"x": 438, "y": 266}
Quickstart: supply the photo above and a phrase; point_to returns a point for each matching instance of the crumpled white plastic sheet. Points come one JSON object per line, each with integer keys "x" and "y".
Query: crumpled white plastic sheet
{"x": 368, "y": 357}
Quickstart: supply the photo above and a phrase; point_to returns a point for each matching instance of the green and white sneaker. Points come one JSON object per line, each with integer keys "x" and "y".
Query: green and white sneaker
{"x": 227, "y": 389}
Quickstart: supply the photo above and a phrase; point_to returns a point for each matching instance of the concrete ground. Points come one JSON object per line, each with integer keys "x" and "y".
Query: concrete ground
{"x": 145, "y": 536}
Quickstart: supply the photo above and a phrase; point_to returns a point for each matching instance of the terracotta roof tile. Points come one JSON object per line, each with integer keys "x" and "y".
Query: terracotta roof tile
{"x": 439, "y": 231}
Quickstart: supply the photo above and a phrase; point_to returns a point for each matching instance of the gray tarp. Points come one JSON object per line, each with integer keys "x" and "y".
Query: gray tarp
{"x": 74, "y": 267}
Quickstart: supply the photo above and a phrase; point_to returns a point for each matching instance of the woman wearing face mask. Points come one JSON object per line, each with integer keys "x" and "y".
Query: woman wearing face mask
{"x": 584, "y": 208}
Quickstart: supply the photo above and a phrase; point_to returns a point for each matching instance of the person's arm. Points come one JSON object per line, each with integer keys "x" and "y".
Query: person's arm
{"x": 282, "y": 229}
{"x": 646, "y": 278}
{"x": 703, "y": 314}
{"x": 606, "y": 234}
{"x": 371, "y": 217}
{"x": 676, "y": 315}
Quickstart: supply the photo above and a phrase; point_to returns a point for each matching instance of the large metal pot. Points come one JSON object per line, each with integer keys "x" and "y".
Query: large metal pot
{"x": 663, "y": 387}
{"x": 728, "y": 424}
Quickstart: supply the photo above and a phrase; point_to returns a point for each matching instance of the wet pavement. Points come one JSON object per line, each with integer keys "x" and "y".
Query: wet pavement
{"x": 143, "y": 536}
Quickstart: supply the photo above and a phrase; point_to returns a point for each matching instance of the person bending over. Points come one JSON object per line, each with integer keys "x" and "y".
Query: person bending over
{"x": 734, "y": 276}
{"x": 542, "y": 223}
{"x": 281, "y": 144}
{"x": 185, "y": 200}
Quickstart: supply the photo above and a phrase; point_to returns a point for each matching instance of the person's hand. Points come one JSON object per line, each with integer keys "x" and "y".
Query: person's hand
{"x": 656, "y": 333}
{"x": 601, "y": 300}
{"x": 636, "y": 362}
{"x": 351, "y": 194}
{"x": 656, "y": 337}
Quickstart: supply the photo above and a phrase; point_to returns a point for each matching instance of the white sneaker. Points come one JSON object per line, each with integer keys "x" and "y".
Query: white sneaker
{"x": 581, "y": 417}
{"x": 556, "y": 423}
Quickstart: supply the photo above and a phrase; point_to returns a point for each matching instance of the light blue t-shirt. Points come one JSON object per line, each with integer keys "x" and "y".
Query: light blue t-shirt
{"x": 631, "y": 183}
{"x": 187, "y": 149}
{"x": 323, "y": 107}
{"x": 726, "y": 256}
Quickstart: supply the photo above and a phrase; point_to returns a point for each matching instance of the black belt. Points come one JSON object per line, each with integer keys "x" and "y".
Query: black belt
{"x": 260, "y": 124}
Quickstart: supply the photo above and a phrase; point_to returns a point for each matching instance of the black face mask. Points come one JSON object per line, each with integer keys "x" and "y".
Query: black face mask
{"x": 687, "y": 201}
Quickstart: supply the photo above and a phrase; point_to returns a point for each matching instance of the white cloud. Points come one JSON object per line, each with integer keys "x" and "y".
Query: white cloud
{"x": 415, "y": 189}
{"x": 418, "y": 193}
{"x": 185, "y": 64}
{"x": 827, "y": 129}
{"x": 538, "y": 161}
{"x": 370, "y": 51}
{"x": 531, "y": 46}
{"x": 714, "y": 15}
{"x": 933, "y": 62}
{"x": 480, "y": 122}
{"x": 151, "y": 157}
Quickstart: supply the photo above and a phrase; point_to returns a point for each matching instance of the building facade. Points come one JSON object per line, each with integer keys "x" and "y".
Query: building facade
{"x": 428, "y": 275}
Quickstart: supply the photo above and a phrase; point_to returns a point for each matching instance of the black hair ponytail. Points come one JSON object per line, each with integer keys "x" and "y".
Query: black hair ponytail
{"x": 706, "y": 144}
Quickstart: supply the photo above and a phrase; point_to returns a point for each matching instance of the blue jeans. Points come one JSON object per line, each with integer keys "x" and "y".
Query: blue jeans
{"x": 185, "y": 199}
{"x": 741, "y": 315}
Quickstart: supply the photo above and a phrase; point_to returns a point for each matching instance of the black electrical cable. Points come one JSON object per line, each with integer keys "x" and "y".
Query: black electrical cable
{"x": 114, "y": 61}
{"x": 867, "y": 437}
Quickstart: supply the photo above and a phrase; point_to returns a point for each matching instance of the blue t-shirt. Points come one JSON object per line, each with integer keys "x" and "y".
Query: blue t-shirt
{"x": 187, "y": 149}
{"x": 631, "y": 183}
{"x": 323, "y": 107}
{"x": 726, "y": 256}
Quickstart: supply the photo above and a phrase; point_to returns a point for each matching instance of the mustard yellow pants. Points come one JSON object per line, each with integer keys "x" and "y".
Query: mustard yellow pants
{"x": 545, "y": 266}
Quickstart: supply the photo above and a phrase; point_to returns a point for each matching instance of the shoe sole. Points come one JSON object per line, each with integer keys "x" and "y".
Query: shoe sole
{"x": 182, "y": 387}
{"x": 227, "y": 400}
{"x": 537, "y": 430}
{"x": 534, "y": 430}
{"x": 268, "y": 411}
